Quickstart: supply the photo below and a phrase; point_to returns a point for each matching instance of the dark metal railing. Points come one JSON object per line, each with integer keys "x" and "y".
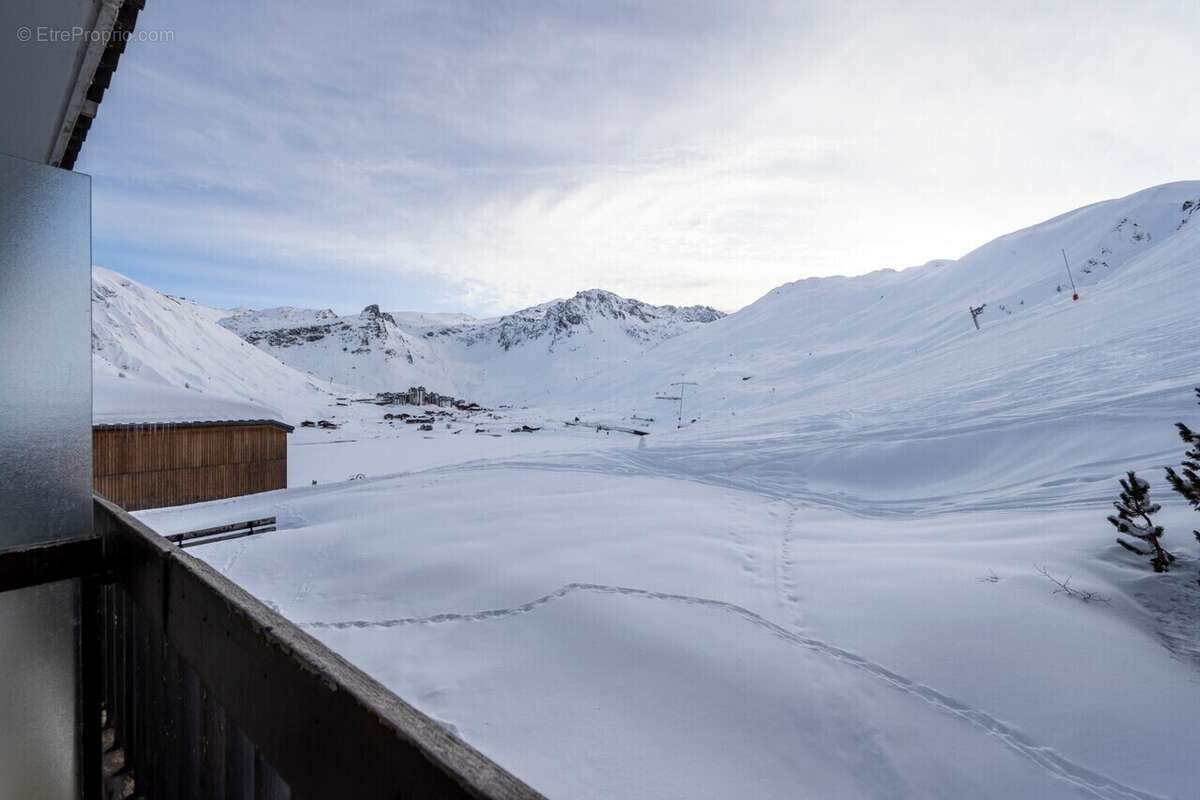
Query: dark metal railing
{"x": 223, "y": 533}
{"x": 192, "y": 688}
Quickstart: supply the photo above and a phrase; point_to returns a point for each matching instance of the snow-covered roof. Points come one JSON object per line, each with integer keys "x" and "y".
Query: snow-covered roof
{"x": 128, "y": 401}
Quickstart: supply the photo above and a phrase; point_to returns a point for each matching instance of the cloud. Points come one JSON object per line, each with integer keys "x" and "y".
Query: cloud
{"x": 484, "y": 157}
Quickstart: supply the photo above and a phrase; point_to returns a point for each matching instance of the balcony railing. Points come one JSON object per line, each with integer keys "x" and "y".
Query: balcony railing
{"x": 192, "y": 688}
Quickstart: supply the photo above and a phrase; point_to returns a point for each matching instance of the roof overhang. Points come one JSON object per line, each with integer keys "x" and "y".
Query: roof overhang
{"x": 56, "y": 61}
{"x": 222, "y": 423}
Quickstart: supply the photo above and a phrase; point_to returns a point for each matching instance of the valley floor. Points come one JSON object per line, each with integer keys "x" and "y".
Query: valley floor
{"x": 608, "y": 617}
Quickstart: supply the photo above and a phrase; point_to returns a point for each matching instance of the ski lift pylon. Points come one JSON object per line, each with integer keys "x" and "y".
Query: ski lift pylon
{"x": 1074, "y": 291}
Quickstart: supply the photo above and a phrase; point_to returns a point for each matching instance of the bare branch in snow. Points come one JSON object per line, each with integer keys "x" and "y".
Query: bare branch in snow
{"x": 1065, "y": 587}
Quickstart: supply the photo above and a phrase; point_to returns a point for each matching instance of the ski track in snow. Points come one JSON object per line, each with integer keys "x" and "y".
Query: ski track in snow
{"x": 235, "y": 555}
{"x": 746, "y": 554}
{"x": 1088, "y": 781}
{"x": 794, "y": 492}
{"x": 766, "y": 472}
{"x": 785, "y": 568}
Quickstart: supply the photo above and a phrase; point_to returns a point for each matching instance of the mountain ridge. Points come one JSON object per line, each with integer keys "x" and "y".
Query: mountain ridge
{"x": 381, "y": 350}
{"x": 814, "y": 334}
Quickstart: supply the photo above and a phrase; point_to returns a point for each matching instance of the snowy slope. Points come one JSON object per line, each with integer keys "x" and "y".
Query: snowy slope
{"x": 827, "y": 586}
{"x": 881, "y": 387}
{"x": 155, "y": 338}
{"x": 520, "y": 357}
{"x": 421, "y": 321}
{"x": 637, "y": 636}
{"x": 536, "y": 354}
{"x": 823, "y": 333}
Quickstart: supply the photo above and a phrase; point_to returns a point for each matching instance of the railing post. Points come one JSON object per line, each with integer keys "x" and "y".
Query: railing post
{"x": 92, "y": 679}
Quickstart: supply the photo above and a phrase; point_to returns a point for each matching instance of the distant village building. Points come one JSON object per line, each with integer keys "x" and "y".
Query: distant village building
{"x": 156, "y": 446}
{"x": 420, "y": 396}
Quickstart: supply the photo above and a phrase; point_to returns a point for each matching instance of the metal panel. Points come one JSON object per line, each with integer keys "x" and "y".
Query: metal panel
{"x": 38, "y": 755}
{"x": 45, "y": 465}
{"x": 46, "y": 371}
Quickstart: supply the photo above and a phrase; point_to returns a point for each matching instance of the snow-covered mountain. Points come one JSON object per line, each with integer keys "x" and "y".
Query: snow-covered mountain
{"x": 367, "y": 351}
{"x": 882, "y": 383}
{"x": 295, "y": 359}
{"x": 835, "y": 352}
{"x": 145, "y": 336}
{"x": 559, "y": 320}
{"x": 516, "y": 358}
{"x": 907, "y": 335}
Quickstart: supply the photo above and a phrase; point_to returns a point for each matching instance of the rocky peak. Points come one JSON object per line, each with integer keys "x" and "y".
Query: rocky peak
{"x": 559, "y": 319}
{"x": 372, "y": 312}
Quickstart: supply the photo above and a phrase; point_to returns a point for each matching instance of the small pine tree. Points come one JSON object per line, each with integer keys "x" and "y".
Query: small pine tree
{"x": 1186, "y": 482}
{"x": 1133, "y": 518}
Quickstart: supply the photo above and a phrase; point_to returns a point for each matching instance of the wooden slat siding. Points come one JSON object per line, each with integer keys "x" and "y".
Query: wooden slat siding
{"x": 155, "y": 466}
{"x": 139, "y": 490}
{"x": 148, "y": 449}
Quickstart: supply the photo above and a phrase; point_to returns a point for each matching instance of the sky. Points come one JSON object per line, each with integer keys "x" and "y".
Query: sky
{"x": 485, "y": 156}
